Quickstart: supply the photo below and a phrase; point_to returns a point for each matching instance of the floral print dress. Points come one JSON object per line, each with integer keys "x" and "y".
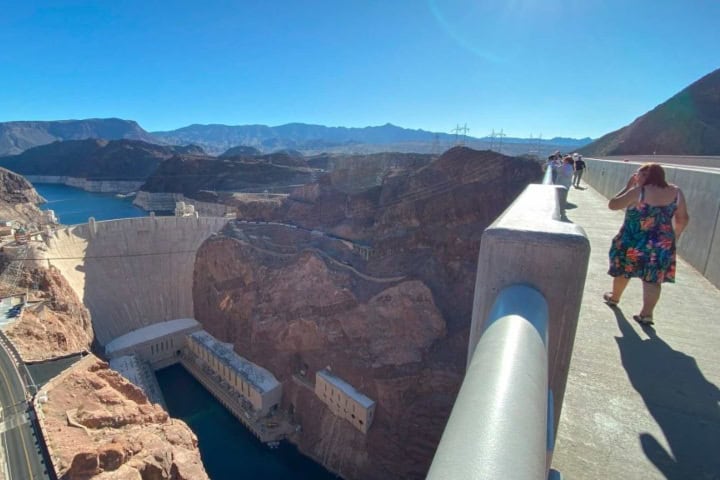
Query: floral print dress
{"x": 645, "y": 245}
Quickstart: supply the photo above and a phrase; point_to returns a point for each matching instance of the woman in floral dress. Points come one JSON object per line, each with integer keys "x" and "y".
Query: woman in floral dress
{"x": 655, "y": 216}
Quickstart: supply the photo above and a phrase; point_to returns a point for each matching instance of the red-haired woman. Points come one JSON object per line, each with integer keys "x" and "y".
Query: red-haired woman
{"x": 655, "y": 216}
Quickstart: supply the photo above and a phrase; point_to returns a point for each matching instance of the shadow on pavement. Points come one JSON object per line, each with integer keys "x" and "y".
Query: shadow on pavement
{"x": 680, "y": 399}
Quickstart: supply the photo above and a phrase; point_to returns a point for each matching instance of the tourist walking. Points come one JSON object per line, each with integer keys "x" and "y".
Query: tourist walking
{"x": 579, "y": 169}
{"x": 655, "y": 217}
{"x": 563, "y": 177}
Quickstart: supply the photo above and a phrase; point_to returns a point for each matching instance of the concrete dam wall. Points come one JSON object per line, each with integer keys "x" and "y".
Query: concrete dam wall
{"x": 133, "y": 272}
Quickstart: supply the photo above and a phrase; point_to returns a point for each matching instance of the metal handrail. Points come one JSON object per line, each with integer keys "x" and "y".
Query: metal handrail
{"x": 547, "y": 177}
{"x": 500, "y": 427}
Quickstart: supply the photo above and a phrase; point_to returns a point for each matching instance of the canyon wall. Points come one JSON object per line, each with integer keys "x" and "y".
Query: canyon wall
{"x": 56, "y": 324}
{"x": 375, "y": 284}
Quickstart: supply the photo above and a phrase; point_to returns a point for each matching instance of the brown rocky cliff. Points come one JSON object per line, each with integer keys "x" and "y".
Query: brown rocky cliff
{"x": 100, "y": 426}
{"x": 374, "y": 335}
{"x": 394, "y": 325}
{"x": 58, "y": 324}
{"x": 18, "y": 199}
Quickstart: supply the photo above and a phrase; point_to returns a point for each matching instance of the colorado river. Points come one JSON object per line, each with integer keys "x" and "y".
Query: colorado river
{"x": 228, "y": 450}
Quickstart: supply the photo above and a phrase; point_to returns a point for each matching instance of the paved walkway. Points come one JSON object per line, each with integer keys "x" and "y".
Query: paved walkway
{"x": 640, "y": 403}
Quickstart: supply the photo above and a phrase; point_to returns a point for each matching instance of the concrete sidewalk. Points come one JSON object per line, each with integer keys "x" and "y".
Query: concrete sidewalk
{"x": 640, "y": 403}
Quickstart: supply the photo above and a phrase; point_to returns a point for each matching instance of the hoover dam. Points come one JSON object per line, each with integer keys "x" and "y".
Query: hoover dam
{"x": 131, "y": 273}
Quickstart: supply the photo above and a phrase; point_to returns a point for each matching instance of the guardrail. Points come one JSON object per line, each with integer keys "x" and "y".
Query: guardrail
{"x": 492, "y": 400}
{"x": 531, "y": 275}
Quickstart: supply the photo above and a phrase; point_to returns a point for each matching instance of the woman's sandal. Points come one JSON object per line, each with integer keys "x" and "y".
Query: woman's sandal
{"x": 608, "y": 298}
{"x": 644, "y": 320}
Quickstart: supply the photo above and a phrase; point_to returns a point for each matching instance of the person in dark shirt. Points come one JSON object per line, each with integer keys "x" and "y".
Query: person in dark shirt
{"x": 579, "y": 169}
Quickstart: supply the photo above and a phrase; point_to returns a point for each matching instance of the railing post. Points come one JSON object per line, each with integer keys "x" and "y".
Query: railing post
{"x": 528, "y": 244}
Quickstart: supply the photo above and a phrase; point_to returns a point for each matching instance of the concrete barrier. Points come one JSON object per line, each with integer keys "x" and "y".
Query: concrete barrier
{"x": 700, "y": 243}
{"x": 529, "y": 245}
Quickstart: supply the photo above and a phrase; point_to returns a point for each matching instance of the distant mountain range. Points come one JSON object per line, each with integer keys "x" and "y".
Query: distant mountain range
{"x": 16, "y": 137}
{"x": 686, "y": 124}
{"x": 318, "y": 138}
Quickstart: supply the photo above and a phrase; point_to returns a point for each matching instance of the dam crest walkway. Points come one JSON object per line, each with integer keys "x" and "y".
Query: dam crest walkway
{"x": 640, "y": 402}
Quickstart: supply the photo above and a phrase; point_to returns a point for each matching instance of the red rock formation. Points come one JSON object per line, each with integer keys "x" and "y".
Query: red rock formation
{"x": 57, "y": 325}
{"x": 98, "y": 425}
{"x": 394, "y": 325}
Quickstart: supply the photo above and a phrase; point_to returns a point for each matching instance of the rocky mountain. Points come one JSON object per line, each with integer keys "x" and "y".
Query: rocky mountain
{"x": 318, "y": 138}
{"x": 100, "y": 426}
{"x": 376, "y": 284}
{"x": 686, "y": 124}
{"x": 57, "y": 325}
{"x": 16, "y": 137}
{"x": 239, "y": 151}
{"x": 18, "y": 199}
{"x": 190, "y": 175}
{"x": 93, "y": 159}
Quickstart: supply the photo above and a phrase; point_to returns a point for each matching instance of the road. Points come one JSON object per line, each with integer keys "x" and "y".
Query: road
{"x": 711, "y": 163}
{"x": 23, "y": 460}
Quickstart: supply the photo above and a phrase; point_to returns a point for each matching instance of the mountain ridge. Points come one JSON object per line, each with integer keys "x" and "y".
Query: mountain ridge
{"x": 688, "y": 123}
{"x": 18, "y": 136}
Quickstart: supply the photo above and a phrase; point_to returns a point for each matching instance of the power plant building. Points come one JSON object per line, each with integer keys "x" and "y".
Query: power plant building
{"x": 158, "y": 344}
{"x": 255, "y": 384}
{"x": 344, "y": 401}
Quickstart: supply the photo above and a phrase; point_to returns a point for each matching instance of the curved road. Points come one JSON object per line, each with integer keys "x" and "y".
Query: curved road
{"x": 22, "y": 458}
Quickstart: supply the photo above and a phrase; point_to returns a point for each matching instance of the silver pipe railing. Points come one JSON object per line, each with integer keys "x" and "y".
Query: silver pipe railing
{"x": 530, "y": 278}
{"x": 500, "y": 427}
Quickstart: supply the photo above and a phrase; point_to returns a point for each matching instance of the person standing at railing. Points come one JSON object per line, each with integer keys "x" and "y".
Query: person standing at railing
{"x": 553, "y": 162}
{"x": 655, "y": 217}
{"x": 563, "y": 176}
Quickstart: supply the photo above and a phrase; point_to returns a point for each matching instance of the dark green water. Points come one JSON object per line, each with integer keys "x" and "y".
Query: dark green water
{"x": 73, "y": 205}
{"x": 229, "y": 451}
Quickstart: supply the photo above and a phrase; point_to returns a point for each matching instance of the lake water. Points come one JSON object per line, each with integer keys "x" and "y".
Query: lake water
{"x": 229, "y": 451}
{"x": 73, "y": 205}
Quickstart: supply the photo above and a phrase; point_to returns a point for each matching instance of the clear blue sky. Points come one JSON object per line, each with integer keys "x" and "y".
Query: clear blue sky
{"x": 552, "y": 67}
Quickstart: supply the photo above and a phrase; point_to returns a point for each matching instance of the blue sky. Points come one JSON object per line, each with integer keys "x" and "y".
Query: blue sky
{"x": 553, "y": 67}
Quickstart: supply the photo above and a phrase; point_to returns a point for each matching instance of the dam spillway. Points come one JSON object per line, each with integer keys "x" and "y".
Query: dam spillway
{"x": 134, "y": 272}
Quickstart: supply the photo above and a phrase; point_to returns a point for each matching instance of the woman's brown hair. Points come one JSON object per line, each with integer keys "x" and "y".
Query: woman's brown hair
{"x": 655, "y": 175}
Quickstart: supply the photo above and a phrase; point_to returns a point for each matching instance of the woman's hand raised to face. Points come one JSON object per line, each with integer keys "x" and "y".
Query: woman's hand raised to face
{"x": 633, "y": 182}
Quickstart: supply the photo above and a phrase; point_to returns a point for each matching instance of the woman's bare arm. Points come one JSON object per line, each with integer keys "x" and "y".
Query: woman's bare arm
{"x": 627, "y": 196}
{"x": 681, "y": 217}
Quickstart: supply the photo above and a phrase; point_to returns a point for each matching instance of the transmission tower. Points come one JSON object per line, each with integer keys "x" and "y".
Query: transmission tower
{"x": 501, "y": 135}
{"x": 457, "y": 131}
{"x": 434, "y": 150}
{"x": 10, "y": 276}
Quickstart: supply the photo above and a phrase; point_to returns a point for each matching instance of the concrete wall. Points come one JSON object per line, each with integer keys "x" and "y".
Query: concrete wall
{"x": 529, "y": 245}
{"x": 700, "y": 243}
{"x": 164, "y": 201}
{"x": 133, "y": 272}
